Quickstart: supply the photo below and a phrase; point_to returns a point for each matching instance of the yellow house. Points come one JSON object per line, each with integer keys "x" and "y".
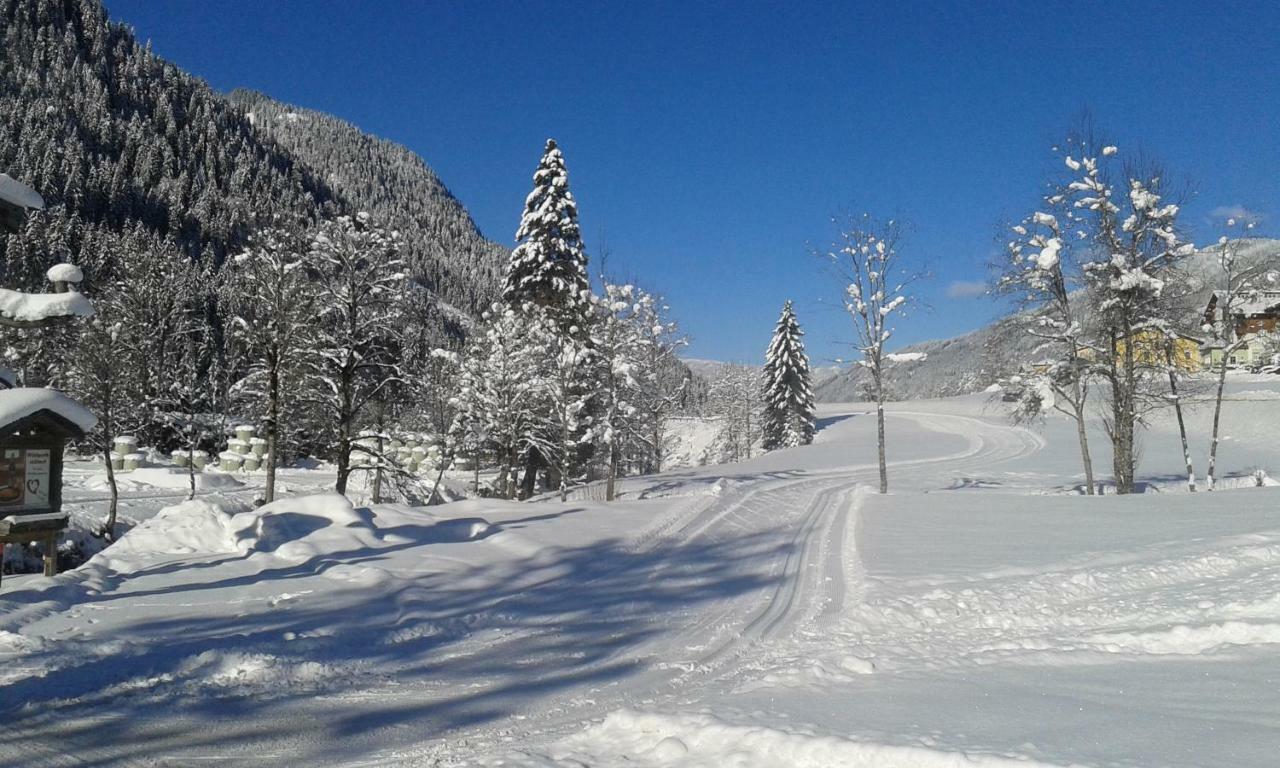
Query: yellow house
{"x": 1149, "y": 349}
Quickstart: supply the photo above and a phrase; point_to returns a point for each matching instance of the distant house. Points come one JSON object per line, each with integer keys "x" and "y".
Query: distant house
{"x": 1150, "y": 349}
{"x": 1254, "y": 313}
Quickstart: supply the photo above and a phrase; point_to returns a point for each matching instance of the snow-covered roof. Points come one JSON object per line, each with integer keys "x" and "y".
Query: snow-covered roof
{"x": 16, "y": 193}
{"x": 1252, "y": 302}
{"x": 34, "y": 307}
{"x": 64, "y": 273}
{"x": 16, "y": 404}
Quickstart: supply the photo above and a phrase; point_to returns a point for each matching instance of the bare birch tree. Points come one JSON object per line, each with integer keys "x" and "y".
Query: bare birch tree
{"x": 877, "y": 289}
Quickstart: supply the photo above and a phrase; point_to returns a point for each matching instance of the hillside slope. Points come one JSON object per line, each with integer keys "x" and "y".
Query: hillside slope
{"x": 444, "y": 249}
{"x": 132, "y": 153}
{"x": 117, "y": 140}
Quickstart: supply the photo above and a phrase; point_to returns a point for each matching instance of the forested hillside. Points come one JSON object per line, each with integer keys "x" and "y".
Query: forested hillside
{"x": 123, "y": 144}
{"x": 155, "y": 185}
{"x": 442, "y": 246}
{"x": 117, "y": 140}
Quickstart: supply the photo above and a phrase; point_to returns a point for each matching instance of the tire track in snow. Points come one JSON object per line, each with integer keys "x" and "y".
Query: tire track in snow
{"x": 819, "y": 579}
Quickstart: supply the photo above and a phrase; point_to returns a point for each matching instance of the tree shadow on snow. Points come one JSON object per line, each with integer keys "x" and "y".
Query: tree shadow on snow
{"x": 831, "y": 421}
{"x": 472, "y": 646}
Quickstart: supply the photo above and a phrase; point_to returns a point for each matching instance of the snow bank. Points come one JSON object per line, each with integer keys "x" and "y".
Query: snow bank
{"x": 190, "y": 528}
{"x": 1190, "y": 640}
{"x": 294, "y": 528}
{"x": 282, "y": 526}
{"x": 631, "y": 738}
{"x": 34, "y": 307}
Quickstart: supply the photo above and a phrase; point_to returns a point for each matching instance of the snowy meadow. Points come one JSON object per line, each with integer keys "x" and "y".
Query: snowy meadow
{"x": 298, "y": 467}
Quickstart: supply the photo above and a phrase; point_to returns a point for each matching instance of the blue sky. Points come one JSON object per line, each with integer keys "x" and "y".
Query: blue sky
{"x": 708, "y": 144}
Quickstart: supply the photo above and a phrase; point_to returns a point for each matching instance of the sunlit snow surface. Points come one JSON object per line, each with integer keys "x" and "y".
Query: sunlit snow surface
{"x": 770, "y": 613}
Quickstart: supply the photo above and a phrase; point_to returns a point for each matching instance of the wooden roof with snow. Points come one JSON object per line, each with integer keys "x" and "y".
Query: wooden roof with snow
{"x": 31, "y": 410}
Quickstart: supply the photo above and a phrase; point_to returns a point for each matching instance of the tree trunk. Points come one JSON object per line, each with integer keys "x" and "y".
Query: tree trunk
{"x": 273, "y": 429}
{"x": 344, "y": 462}
{"x": 377, "y": 470}
{"x": 1212, "y": 478}
{"x": 109, "y": 528}
{"x": 191, "y": 458}
{"x": 529, "y": 483}
{"x": 884, "y": 469}
{"x": 1080, "y": 395}
{"x": 435, "y": 488}
{"x": 1124, "y": 392}
{"x": 1082, "y": 434}
{"x": 611, "y": 485}
{"x": 1182, "y": 426}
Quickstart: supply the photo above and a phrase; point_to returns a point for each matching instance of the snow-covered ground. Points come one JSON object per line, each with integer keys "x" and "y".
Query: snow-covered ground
{"x": 768, "y": 613}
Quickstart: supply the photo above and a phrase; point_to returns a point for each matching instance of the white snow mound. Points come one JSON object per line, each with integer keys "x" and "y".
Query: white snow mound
{"x": 635, "y": 739}
{"x": 34, "y": 307}
{"x": 190, "y": 528}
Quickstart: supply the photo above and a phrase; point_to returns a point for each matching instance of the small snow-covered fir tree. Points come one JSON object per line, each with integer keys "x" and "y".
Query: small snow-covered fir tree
{"x": 788, "y": 395}
{"x": 549, "y": 265}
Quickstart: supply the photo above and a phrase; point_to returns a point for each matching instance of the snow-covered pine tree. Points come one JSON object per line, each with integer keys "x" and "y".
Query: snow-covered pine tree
{"x": 548, "y": 271}
{"x": 549, "y": 265}
{"x": 788, "y": 396}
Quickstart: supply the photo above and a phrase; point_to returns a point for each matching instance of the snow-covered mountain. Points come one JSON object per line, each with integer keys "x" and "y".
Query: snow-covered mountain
{"x": 975, "y": 360}
{"x": 120, "y": 142}
{"x": 443, "y": 247}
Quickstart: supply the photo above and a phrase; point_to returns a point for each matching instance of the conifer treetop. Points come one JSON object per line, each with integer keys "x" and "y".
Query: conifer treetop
{"x": 549, "y": 264}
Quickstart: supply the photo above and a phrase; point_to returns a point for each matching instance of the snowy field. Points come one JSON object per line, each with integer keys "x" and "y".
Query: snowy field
{"x": 767, "y": 613}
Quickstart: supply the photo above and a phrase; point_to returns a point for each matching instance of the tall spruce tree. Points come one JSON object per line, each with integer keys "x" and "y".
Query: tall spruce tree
{"x": 548, "y": 270}
{"x": 549, "y": 266}
{"x": 788, "y": 396}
